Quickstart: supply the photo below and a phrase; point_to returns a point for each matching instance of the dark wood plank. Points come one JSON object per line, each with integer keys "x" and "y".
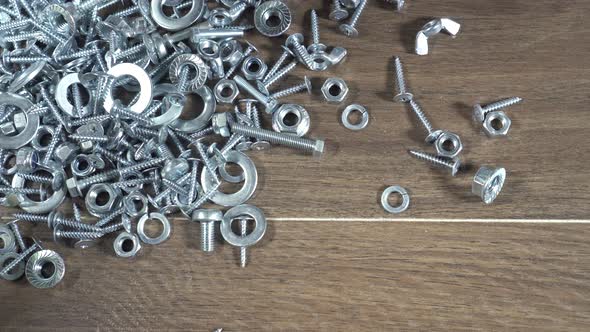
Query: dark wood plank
{"x": 326, "y": 276}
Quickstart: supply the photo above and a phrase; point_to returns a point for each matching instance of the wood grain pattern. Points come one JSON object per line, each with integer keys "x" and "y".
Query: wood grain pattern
{"x": 351, "y": 276}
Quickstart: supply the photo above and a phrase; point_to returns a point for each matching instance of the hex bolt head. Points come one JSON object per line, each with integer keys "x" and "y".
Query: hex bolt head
{"x": 488, "y": 182}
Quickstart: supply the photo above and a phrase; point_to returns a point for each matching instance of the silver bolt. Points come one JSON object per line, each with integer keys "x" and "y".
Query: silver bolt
{"x": 402, "y": 94}
{"x": 55, "y": 218}
{"x": 314, "y": 146}
{"x": 243, "y": 250}
{"x": 480, "y": 112}
{"x": 305, "y": 86}
{"x": 349, "y": 29}
{"x": 453, "y": 164}
{"x": 207, "y": 219}
{"x": 269, "y": 103}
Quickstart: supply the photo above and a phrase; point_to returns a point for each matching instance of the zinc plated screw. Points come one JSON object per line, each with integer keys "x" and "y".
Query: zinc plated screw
{"x": 254, "y": 116}
{"x": 193, "y": 187}
{"x": 22, "y": 191}
{"x": 56, "y": 182}
{"x": 314, "y": 146}
{"x": 20, "y": 258}
{"x": 209, "y": 165}
{"x": 480, "y": 112}
{"x": 109, "y": 217}
{"x": 316, "y": 46}
{"x": 53, "y": 144}
{"x": 17, "y": 234}
{"x": 349, "y": 29}
{"x": 54, "y": 218}
{"x": 402, "y": 94}
{"x": 302, "y": 54}
{"x": 59, "y": 234}
{"x": 207, "y": 219}
{"x": 453, "y": 164}
{"x": 243, "y": 250}
{"x": 277, "y": 65}
{"x": 53, "y": 108}
{"x": 269, "y": 103}
{"x": 337, "y": 13}
{"x": 203, "y": 198}
{"x": 264, "y": 85}
{"x": 305, "y": 86}
{"x": 432, "y": 134}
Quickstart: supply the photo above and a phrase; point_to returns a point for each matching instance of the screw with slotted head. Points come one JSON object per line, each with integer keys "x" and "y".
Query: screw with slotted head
{"x": 452, "y": 164}
{"x": 349, "y": 29}
{"x": 480, "y": 112}
{"x": 207, "y": 219}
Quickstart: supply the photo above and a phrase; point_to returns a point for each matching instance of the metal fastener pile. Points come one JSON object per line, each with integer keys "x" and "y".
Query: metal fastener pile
{"x": 91, "y": 108}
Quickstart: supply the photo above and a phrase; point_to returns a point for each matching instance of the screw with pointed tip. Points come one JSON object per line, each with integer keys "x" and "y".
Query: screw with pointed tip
{"x": 402, "y": 94}
{"x": 20, "y": 258}
{"x": 453, "y": 164}
{"x": 56, "y": 181}
{"x": 316, "y": 46}
{"x": 277, "y": 65}
{"x": 480, "y": 112}
{"x": 59, "y": 235}
{"x": 432, "y": 134}
{"x": 349, "y": 29}
{"x": 17, "y": 234}
{"x": 304, "y": 86}
{"x": 295, "y": 41}
{"x": 264, "y": 85}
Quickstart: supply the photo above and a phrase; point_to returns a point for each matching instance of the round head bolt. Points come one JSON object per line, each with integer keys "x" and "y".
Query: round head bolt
{"x": 496, "y": 124}
{"x": 488, "y": 183}
{"x": 27, "y": 160}
{"x": 221, "y": 123}
{"x": 448, "y": 145}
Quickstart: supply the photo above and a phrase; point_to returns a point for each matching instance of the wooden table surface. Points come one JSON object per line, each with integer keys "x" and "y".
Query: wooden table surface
{"x": 332, "y": 259}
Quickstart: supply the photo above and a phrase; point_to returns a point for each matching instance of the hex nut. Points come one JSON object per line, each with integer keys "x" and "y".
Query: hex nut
{"x": 496, "y": 124}
{"x": 27, "y": 160}
{"x": 254, "y": 68}
{"x": 448, "y": 144}
{"x": 66, "y": 152}
{"x": 281, "y": 120}
{"x": 335, "y": 90}
{"x": 221, "y": 91}
{"x": 220, "y": 123}
{"x": 97, "y": 208}
{"x": 129, "y": 202}
{"x": 120, "y": 245}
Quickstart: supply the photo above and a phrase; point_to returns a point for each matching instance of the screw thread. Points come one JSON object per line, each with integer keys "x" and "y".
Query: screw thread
{"x": 129, "y": 52}
{"x": 18, "y": 236}
{"x": 142, "y": 166}
{"x": 203, "y": 198}
{"x": 315, "y": 27}
{"x": 77, "y": 225}
{"x": 48, "y": 32}
{"x": 433, "y": 159}
{"x": 166, "y": 192}
{"x": 277, "y": 65}
{"x": 109, "y": 217}
{"x": 175, "y": 187}
{"x": 107, "y": 4}
{"x": 27, "y": 59}
{"x": 78, "y": 235}
{"x": 233, "y": 140}
{"x": 101, "y": 177}
{"x": 302, "y": 54}
{"x": 88, "y": 5}
{"x": 76, "y": 55}
{"x": 243, "y": 250}
{"x": 194, "y": 184}
{"x": 399, "y": 76}
{"x": 255, "y": 116}
{"x": 56, "y": 113}
{"x": 35, "y": 178}
{"x": 113, "y": 228}
{"x": 30, "y": 217}
{"x": 100, "y": 139}
{"x": 156, "y": 105}
{"x": 53, "y": 144}
{"x": 83, "y": 121}
{"x": 19, "y": 259}
{"x": 421, "y": 116}
{"x": 237, "y": 9}
{"x": 202, "y": 133}
{"x": 111, "y": 155}
{"x": 207, "y": 236}
{"x": 357, "y": 13}
{"x": 127, "y": 12}
{"x": 133, "y": 182}
{"x": 14, "y": 25}
{"x": 8, "y": 112}
{"x": 23, "y": 191}
{"x": 336, "y": 5}
{"x": 145, "y": 133}
{"x": 501, "y": 104}
{"x": 24, "y": 36}
{"x": 276, "y": 138}
{"x": 209, "y": 165}
{"x": 280, "y": 74}
{"x": 290, "y": 91}
{"x": 77, "y": 212}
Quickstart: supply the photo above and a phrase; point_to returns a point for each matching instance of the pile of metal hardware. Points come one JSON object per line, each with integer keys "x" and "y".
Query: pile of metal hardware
{"x": 91, "y": 108}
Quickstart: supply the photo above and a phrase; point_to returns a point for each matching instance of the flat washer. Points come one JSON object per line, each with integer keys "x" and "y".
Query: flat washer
{"x": 236, "y": 212}
{"x": 405, "y": 199}
{"x": 35, "y": 265}
{"x": 33, "y": 121}
{"x": 145, "y": 86}
{"x": 176, "y": 24}
{"x": 165, "y": 228}
{"x": 201, "y": 121}
{"x": 61, "y": 95}
{"x": 16, "y": 271}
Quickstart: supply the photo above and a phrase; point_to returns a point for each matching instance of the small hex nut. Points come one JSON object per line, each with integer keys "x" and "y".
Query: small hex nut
{"x": 496, "y": 124}
{"x": 130, "y": 203}
{"x": 122, "y": 249}
{"x": 448, "y": 144}
{"x": 221, "y": 123}
{"x": 254, "y": 68}
{"x": 27, "y": 160}
{"x": 97, "y": 208}
{"x": 66, "y": 152}
{"x": 335, "y": 90}
{"x": 226, "y": 91}
{"x": 291, "y": 119}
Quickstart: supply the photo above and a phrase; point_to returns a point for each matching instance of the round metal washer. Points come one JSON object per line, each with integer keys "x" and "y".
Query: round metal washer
{"x": 173, "y": 100}
{"x": 61, "y": 95}
{"x": 165, "y": 228}
{"x": 203, "y": 119}
{"x": 239, "y": 211}
{"x": 16, "y": 271}
{"x": 145, "y": 85}
{"x": 268, "y": 10}
{"x": 405, "y": 199}
{"x": 27, "y": 134}
{"x": 35, "y": 265}
{"x": 175, "y": 24}
{"x": 120, "y": 240}
{"x": 247, "y": 190}
{"x": 49, "y": 204}
{"x": 355, "y": 108}
{"x": 9, "y": 241}
{"x": 191, "y": 60}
